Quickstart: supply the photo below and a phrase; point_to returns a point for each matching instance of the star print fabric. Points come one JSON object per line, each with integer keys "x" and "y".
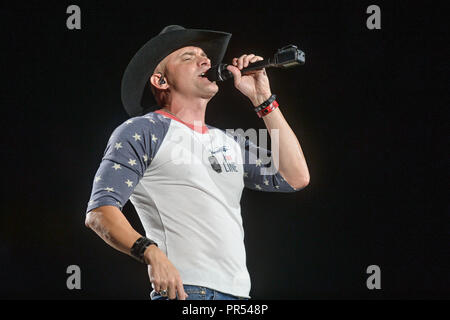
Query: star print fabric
{"x": 129, "y": 152}
{"x": 257, "y": 175}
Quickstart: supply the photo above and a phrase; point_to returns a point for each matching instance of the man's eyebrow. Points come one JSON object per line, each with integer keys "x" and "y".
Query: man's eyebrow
{"x": 192, "y": 53}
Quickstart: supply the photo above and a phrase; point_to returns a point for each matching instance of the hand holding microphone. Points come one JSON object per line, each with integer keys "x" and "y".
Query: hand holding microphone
{"x": 256, "y": 87}
{"x": 286, "y": 57}
{"x": 254, "y": 84}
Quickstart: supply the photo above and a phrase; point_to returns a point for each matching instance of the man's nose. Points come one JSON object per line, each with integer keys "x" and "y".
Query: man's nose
{"x": 204, "y": 60}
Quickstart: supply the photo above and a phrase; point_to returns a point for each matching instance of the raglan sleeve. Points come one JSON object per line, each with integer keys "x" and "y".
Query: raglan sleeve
{"x": 260, "y": 173}
{"x": 127, "y": 155}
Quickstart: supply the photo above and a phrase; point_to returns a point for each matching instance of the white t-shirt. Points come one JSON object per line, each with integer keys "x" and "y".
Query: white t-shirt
{"x": 186, "y": 187}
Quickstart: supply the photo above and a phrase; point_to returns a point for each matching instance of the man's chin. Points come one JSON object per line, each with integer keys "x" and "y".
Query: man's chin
{"x": 211, "y": 90}
{"x": 209, "y": 96}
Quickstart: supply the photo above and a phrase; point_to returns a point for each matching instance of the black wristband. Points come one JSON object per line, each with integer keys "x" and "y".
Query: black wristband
{"x": 266, "y": 103}
{"x": 139, "y": 247}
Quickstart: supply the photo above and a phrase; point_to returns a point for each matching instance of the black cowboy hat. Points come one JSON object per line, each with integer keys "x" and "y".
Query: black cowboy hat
{"x": 137, "y": 97}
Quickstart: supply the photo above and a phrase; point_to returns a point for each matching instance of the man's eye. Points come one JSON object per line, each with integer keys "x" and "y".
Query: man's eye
{"x": 186, "y": 58}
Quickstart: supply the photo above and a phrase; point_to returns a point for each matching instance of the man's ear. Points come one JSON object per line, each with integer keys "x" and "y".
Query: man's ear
{"x": 155, "y": 80}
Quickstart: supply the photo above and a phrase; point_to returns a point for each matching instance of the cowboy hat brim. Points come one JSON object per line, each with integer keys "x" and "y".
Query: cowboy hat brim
{"x": 137, "y": 97}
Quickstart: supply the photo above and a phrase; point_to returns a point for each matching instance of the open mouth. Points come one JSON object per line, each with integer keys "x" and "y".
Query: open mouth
{"x": 203, "y": 75}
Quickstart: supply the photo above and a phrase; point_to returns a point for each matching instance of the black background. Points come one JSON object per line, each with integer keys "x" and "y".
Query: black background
{"x": 367, "y": 108}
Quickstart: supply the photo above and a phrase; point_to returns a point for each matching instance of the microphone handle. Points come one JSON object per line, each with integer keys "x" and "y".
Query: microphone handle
{"x": 223, "y": 74}
{"x": 258, "y": 65}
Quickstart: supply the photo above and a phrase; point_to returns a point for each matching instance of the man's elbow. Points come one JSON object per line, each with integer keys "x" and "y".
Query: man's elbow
{"x": 299, "y": 183}
{"x": 99, "y": 217}
{"x": 88, "y": 220}
{"x": 91, "y": 219}
{"x": 299, "y": 186}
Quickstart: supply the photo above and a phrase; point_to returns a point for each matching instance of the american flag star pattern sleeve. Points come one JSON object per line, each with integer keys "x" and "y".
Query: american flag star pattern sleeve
{"x": 127, "y": 156}
{"x": 259, "y": 174}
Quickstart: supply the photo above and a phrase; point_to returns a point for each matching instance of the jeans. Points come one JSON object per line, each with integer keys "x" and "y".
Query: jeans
{"x": 199, "y": 293}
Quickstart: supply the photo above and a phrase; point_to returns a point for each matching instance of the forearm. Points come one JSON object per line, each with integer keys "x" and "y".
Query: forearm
{"x": 290, "y": 158}
{"x": 111, "y": 225}
{"x": 256, "y": 86}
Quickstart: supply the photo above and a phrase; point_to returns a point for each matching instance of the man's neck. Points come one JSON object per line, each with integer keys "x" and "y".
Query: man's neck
{"x": 191, "y": 111}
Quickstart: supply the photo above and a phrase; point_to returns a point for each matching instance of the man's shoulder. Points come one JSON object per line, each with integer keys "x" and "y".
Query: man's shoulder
{"x": 151, "y": 122}
{"x": 151, "y": 119}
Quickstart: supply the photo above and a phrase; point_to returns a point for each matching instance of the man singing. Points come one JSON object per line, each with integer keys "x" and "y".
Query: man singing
{"x": 185, "y": 178}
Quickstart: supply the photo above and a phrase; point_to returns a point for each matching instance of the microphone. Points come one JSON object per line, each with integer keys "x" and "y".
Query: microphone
{"x": 286, "y": 57}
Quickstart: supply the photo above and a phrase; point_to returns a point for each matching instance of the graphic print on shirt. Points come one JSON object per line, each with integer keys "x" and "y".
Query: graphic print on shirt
{"x": 229, "y": 163}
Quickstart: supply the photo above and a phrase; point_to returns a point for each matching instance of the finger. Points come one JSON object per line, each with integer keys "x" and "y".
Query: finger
{"x": 163, "y": 285}
{"x": 172, "y": 289}
{"x": 241, "y": 61}
{"x": 182, "y": 295}
{"x": 158, "y": 286}
{"x": 235, "y": 62}
{"x": 236, "y": 74}
{"x": 247, "y": 60}
{"x": 256, "y": 58}
{"x": 155, "y": 282}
